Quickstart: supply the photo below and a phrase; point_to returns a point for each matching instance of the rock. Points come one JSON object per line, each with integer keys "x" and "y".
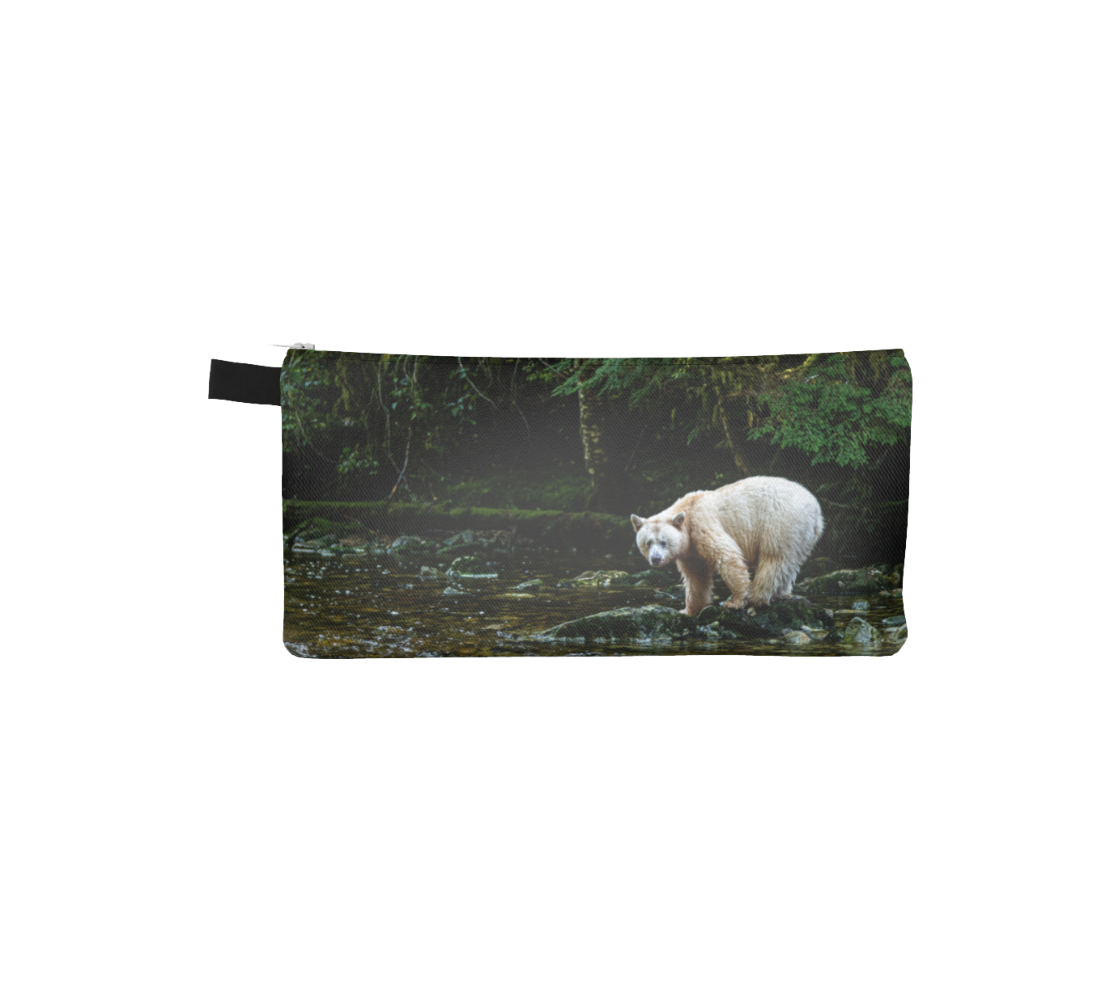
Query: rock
{"x": 654, "y": 578}
{"x": 454, "y": 592}
{"x": 529, "y": 585}
{"x": 844, "y": 582}
{"x": 601, "y": 578}
{"x": 861, "y": 633}
{"x": 798, "y": 638}
{"x": 653, "y": 621}
{"x": 519, "y": 594}
{"x": 894, "y": 620}
{"x": 773, "y": 622}
{"x": 816, "y": 634}
{"x": 429, "y": 573}
{"x": 861, "y": 606}
{"x": 898, "y": 634}
{"x": 408, "y": 551}
{"x": 471, "y": 568}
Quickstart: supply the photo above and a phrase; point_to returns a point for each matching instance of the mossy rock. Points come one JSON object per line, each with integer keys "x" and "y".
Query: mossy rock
{"x": 409, "y": 552}
{"x": 471, "y": 568}
{"x": 653, "y": 621}
{"x": 453, "y": 553}
{"x": 654, "y": 578}
{"x": 530, "y": 585}
{"x": 773, "y": 622}
{"x": 849, "y": 582}
{"x": 897, "y": 634}
{"x": 818, "y": 566}
{"x": 862, "y": 633}
{"x": 599, "y": 579}
{"x": 316, "y": 529}
{"x": 429, "y": 573}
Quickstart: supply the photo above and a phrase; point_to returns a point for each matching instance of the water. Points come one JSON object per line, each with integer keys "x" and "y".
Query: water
{"x": 351, "y": 606}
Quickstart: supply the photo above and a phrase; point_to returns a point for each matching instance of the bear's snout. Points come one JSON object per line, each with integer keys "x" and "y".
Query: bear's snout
{"x": 655, "y": 559}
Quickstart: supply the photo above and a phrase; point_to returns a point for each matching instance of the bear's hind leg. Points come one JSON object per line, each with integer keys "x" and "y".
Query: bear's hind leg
{"x": 766, "y": 584}
{"x": 785, "y": 572}
{"x": 783, "y": 588}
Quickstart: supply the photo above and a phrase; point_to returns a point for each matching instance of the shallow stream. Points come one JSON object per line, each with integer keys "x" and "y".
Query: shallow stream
{"x": 347, "y": 606}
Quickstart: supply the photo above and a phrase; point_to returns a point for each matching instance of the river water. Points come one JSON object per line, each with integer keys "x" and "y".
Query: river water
{"x": 350, "y": 606}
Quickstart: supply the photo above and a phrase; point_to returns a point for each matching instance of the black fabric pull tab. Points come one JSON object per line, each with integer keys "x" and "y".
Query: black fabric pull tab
{"x": 244, "y": 383}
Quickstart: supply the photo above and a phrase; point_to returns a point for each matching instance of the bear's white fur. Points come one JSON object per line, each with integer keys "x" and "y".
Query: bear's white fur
{"x": 755, "y": 533}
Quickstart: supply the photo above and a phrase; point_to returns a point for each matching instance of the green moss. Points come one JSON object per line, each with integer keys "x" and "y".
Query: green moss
{"x": 523, "y": 489}
{"x": 851, "y": 582}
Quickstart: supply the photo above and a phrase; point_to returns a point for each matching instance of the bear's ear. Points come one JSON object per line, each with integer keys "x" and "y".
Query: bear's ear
{"x": 637, "y": 521}
{"x": 678, "y": 519}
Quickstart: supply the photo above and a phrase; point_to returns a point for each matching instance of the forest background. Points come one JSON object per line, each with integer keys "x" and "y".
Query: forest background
{"x": 615, "y": 435}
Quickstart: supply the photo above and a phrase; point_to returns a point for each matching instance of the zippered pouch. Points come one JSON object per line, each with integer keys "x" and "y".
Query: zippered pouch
{"x": 460, "y": 506}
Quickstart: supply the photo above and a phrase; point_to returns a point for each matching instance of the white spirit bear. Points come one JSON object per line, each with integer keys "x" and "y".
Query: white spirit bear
{"x": 755, "y": 533}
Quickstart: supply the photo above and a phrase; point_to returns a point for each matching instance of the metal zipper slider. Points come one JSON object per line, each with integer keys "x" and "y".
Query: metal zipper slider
{"x": 297, "y": 347}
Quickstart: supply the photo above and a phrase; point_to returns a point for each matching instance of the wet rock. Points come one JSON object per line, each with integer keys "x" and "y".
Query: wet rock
{"x": 597, "y": 579}
{"x": 474, "y": 549}
{"x": 774, "y": 622}
{"x": 798, "y": 638}
{"x": 454, "y": 592}
{"x": 894, "y": 620}
{"x": 673, "y": 593}
{"x": 530, "y": 585}
{"x": 816, "y": 634}
{"x": 653, "y": 621}
{"x": 471, "y": 568}
{"x": 843, "y": 582}
{"x": 655, "y": 578}
{"x": 862, "y": 633}
{"x": 429, "y": 573}
{"x": 898, "y": 634}
{"x": 409, "y": 552}
{"x": 861, "y": 606}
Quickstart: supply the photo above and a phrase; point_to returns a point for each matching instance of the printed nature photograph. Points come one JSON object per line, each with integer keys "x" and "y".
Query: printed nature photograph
{"x": 445, "y": 506}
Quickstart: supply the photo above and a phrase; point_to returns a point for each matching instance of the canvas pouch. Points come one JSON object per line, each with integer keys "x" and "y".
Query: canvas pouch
{"x": 463, "y": 506}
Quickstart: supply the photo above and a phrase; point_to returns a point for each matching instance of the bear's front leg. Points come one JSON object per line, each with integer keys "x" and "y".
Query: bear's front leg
{"x": 697, "y": 586}
{"x": 736, "y": 575}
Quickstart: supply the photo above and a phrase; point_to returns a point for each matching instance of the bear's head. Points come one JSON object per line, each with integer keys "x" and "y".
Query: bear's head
{"x": 660, "y": 538}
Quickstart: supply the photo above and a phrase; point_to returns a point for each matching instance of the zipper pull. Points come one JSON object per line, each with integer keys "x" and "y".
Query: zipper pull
{"x": 297, "y": 347}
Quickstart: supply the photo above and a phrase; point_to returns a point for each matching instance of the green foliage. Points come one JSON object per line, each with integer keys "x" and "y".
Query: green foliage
{"x": 352, "y": 459}
{"x": 304, "y": 384}
{"x": 837, "y": 408}
{"x": 637, "y": 377}
{"x": 433, "y": 427}
{"x": 362, "y": 411}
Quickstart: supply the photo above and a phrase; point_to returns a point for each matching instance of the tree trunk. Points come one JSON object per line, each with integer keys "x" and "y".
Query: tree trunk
{"x": 608, "y": 482}
{"x": 729, "y": 434}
